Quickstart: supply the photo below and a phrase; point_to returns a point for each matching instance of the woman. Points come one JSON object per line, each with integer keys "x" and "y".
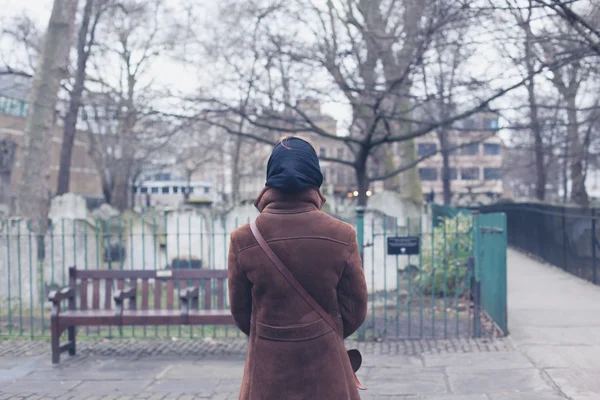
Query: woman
{"x": 293, "y": 353}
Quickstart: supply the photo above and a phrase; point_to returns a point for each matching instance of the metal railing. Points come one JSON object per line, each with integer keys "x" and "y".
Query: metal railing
{"x": 428, "y": 295}
{"x": 564, "y": 236}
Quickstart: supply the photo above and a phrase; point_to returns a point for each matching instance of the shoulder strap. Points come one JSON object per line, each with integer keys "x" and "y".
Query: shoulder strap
{"x": 290, "y": 278}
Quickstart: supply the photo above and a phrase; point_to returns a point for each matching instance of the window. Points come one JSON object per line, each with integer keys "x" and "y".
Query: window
{"x": 492, "y": 174}
{"x": 154, "y": 190}
{"x": 162, "y": 177}
{"x": 322, "y": 152}
{"x": 206, "y": 190}
{"x": 491, "y": 149}
{"x": 143, "y": 190}
{"x": 175, "y": 189}
{"x": 490, "y": 124}
{"x": 453, "y": 174}
{"x": 469, "y": 123}
{"x": 340, "y": 153}
{"x": 427, "y": 149}
{"x": 165, "y": 190}
{"x": 470, "y": 149}
{"x": 452, "y": 147}
{"x": 469, "y": 174}
{"x": 428, "y": 174}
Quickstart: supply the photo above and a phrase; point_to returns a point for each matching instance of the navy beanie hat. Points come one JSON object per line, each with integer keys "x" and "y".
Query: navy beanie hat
{"x": 294, "y": 166}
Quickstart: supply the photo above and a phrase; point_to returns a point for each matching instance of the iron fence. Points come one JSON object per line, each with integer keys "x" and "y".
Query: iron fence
{"x": 564, "y": 236}
{"x": 429, "y": 295}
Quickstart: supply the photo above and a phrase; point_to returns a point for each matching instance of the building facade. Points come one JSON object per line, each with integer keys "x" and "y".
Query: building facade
{"x": 476, "y": 159}
{"x": 85, "y": 180}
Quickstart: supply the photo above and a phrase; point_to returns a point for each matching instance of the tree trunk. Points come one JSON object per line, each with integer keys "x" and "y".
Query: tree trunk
{"x": 186, "y": 193}
{"x": 70, "y": 127}
{"x": 7, "y": 161}
{"x": 410, "y": 182}
{"x": 362, "y": 180}
{"x": 34, "y": 191}
{"x": 579, "y": 194}
{"x": 536, "y": 128}
{"x": 446, "y": 178}
{"x": 235, "y": 171}
{"x": 120, "y": 192}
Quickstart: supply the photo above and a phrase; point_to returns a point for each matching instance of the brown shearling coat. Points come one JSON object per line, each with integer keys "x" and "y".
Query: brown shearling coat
{"x": 293, "y": 353}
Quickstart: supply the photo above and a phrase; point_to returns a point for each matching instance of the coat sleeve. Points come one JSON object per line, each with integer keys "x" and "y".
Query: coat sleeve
{"x": 240, "y": 290}
{"x": 352, "y": 290}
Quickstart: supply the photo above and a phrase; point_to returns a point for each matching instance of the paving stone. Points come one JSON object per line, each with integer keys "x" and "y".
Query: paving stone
{"x": 197, "y": 386}
{"x": 213, "y": 370}
{"x": 44, "y": 387}
{"x": 455, "y": 397}
{"x": 482, "y": 361}
{"x": 401, "y": 382}
{"x": 527, "y": 396}
{"x": 111, "y": 387}
{"x": 573, "y": 382}
{"x": 498, "y": 381}
{"x": 583, "y": 357}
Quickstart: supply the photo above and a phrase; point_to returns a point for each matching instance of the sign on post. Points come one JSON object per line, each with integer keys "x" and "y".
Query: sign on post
{"x": 403, "y": 245}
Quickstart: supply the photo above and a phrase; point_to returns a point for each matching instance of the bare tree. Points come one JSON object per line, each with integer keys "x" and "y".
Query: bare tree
{"x": 33, "y": 196}
{"x": 124, "y": 126}
{"x": 568, "y": 80}
{"x": 586, "y": 25}
{"x": 360, "y": 53}
{"x": 92, "y": 12}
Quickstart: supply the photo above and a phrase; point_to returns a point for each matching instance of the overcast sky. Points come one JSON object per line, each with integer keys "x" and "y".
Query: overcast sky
{"x": 180, "y": 78}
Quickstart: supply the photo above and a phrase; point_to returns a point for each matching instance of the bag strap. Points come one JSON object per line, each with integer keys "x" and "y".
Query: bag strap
{"x": 290, "y": 278}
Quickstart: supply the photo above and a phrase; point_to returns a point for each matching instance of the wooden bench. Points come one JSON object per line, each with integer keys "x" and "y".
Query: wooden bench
{"x": 141, "y": 297}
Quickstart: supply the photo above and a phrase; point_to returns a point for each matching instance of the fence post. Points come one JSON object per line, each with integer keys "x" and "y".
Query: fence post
{"x": 476, "y": 288}
{"x": 594, "y": 241}
{"x": 564, "y": 229}
{"x": 360, "y": 231}
{"x": 474, "y": 266}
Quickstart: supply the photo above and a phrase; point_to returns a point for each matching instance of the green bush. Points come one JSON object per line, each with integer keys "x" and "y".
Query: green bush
{"x": 445, "y": 253}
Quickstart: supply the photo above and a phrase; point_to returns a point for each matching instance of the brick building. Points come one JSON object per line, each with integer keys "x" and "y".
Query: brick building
{"x": 475, "y": 164}
{"x": 13, "y": 111}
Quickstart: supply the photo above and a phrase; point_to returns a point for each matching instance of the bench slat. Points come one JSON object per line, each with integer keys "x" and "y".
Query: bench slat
{"x": 220, "y": 293}
{"x": 83, "y": 289}
{"x": 170, "y": 294}
{"x": 144, "y": 294}
{"x": 207, "y": 294}
{"x": 133, "y": 284}
{"x": 157, "y": 294}
{"x": 183, "y": 274}
{"x": 108, "y": 294}
{"x": 96, "y": 295}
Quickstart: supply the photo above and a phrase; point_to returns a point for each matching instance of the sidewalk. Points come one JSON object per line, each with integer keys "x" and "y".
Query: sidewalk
{"x": 554, "y": 320}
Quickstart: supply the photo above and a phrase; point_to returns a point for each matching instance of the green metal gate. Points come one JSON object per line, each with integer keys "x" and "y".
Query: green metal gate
{"x": 489, "y": 251}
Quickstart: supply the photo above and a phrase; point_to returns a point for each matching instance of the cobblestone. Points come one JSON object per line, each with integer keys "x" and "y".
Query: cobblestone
{"x": 137, "y": 348}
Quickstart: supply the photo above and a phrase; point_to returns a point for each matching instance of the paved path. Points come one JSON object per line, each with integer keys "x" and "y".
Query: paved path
{"x": 553, "y": 354}
{"x": 554, "y": 319}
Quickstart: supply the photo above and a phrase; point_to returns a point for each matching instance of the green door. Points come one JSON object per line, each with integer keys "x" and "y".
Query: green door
{"x": 490, "y": 251}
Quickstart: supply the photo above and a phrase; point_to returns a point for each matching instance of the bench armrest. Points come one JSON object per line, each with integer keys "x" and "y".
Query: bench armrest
{"x": 189, "y": 298}
{"x": 57, "y": 296}
{"x": 122, "y": 295}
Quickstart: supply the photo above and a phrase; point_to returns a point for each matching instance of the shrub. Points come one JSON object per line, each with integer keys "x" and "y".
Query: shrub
{"x": 445, "y": 253}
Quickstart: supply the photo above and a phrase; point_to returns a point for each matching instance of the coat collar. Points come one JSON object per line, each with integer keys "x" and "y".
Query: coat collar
{"x": 274, "y": 201}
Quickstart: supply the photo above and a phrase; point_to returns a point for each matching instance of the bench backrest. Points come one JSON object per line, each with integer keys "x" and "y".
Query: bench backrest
{"x": 156, "y": 289}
